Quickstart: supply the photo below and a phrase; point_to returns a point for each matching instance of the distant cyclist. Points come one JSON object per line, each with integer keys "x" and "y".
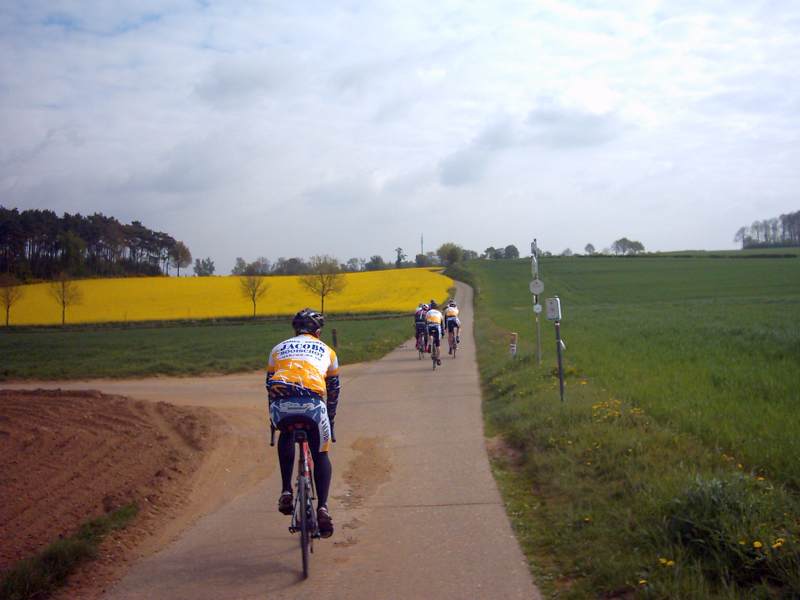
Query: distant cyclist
{"x": 451, "y": 320}
{"x": 419, "y": 326}
{"x": 434, "y": 321}
{"x": 303, "y": 386}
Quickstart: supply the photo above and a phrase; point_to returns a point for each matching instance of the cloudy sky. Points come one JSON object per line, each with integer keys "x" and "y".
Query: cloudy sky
{"x": 350, "y": 128}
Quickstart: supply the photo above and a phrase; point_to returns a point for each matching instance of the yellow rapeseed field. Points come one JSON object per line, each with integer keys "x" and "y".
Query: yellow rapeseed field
{"x": 168, "y": 298}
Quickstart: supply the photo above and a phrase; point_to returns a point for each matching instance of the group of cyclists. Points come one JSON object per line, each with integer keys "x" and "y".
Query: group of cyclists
{"x": 302, "y": 383}
{"x": 430, "y": 324}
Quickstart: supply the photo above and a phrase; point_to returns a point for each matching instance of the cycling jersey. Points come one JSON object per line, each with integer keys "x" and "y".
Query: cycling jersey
{"x": 302, "y": 367}
{"x": 419, "y": 316}
{"x": 435, "y": 321}
{"x": 303, "y": 382}
{"x": 450, "y": 311}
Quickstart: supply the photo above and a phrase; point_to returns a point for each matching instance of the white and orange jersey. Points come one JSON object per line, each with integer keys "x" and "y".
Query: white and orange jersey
{"x": 450, "y": 311}
{"x": 303, "y": 366}
{"x": 434, "y": 317}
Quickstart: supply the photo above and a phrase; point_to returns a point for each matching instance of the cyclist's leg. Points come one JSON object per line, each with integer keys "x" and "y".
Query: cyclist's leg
{"x": 286, "y": 459}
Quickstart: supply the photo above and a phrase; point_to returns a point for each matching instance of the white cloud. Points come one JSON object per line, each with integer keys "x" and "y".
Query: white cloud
{"x": 221, "y": 120}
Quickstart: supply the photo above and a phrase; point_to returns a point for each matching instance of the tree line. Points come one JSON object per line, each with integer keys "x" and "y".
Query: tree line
{"x": 38, "y": 244}
{"x": 447, "y": 254}
{"x": 776, "y": 232}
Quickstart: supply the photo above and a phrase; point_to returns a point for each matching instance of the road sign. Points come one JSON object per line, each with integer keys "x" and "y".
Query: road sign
{"x": 554, "y": 309}
{"x": 537, "y": 308}
{"x": 537, "y": 287}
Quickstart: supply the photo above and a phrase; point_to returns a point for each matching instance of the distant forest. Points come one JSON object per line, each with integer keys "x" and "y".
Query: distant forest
{"x": 771, "y": 233}
{"x": 38, "y": 244}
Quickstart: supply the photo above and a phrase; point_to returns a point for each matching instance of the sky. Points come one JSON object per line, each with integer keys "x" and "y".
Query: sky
{"x": 352, "y": 128}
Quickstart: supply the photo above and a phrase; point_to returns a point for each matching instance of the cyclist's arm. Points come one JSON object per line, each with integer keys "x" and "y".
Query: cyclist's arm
{"x": 332, "y": 386}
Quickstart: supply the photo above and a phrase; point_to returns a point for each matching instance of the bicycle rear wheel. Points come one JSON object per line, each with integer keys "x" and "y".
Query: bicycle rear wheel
{"x": 305, "y": 525}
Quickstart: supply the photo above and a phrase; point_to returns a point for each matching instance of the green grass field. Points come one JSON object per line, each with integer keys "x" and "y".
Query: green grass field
{"x": 671, "y": 468}
{"x": 180, "y": 349}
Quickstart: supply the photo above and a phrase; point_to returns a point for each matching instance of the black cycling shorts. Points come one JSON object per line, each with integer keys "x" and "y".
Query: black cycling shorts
{"x": 433, "y": 333}
{"x": 452, "y": 323}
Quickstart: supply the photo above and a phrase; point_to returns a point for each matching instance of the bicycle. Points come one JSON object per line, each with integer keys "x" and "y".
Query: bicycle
{"x": 304, "y": 518}
{"x": 434, "y": 349}
{"x": 452, "y": 343}
{"x": 422, "y": 343}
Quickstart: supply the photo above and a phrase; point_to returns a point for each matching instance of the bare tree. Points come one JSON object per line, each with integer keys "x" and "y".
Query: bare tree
{"x": 589, "y": 249}
{"x": 324, "y": 279}
{"x": 67, "y": 293}
{"x": 10, "y": 293}
{"x": 180, "y": 257}
{"x": 253, "y": 288}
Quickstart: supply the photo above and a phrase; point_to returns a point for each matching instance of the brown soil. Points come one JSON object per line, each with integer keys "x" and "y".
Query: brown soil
{"x": 69, "y": 456}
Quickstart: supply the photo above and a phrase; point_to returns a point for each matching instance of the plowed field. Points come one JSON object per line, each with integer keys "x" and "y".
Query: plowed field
{"x": 69, "y": 456}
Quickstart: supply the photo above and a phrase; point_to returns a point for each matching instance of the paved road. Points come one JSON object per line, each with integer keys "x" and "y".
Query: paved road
{"x": 416, "y": 509}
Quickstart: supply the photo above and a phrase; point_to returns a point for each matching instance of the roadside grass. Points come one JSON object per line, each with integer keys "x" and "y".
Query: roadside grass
{"x": 37, "y": 576}
{"x": 179, "y": 350}
{"x": 670, "y": 470}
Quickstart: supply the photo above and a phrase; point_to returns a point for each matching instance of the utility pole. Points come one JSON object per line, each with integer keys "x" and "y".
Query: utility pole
{"x": 536, "y": 287}
{"x": 421, "y": 245}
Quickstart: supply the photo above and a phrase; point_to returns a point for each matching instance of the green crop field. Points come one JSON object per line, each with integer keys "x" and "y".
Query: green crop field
{"x": 671, "y": 468}
{"x": 86, "y": 352}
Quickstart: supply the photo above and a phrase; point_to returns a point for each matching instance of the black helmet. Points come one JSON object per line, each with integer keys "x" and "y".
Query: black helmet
{"x": 308, "y": 321}
{"x": 433, "y": 304}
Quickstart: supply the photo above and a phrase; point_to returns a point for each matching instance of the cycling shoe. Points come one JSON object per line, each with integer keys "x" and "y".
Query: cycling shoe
{"x": 324, "y": 522}
{"x": 286, "y": 503}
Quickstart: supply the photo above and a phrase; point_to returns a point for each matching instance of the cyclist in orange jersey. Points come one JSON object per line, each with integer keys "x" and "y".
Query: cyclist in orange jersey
{"x": 434, "y": 321}
{"x": 303, "y": 386}
{"x": 451, "y": 320}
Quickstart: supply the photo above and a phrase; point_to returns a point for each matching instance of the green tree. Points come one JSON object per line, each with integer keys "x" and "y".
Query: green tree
{"x": 66, "y": 293}
{"x": 421, "y": 260}
{"x": 180, "y": 257}
{"x": 253, "y": 288}
{"x": 325, "y": 278}
{"x": 203, "y": 268}
{"x": 511, "y": 251}
{"x": 10, "y": 293}
{"x": 400, "y": 257}
{"x": 589, "y": 249}
{"x": 375, "y": 263}
{"x": 450, "y": 253}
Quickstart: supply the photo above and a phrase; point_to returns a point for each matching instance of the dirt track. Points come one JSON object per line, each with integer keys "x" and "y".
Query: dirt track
{"x": 415, "y": 506}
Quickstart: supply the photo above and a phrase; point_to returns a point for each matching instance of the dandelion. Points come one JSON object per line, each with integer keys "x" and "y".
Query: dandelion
{"x": 663, "y": 561}
{"x": 742, "y": 542}
{"x": 670, "y": 563}
{"x": 757, "y": 545}
{"x": 760, "y": 478}
{"x": 584, "y": 382}
{"x": 778, "y": 543}
{"x": 587, "y": 519}
{"x": 643, "y": 582}
{"x": 739, "y": 466}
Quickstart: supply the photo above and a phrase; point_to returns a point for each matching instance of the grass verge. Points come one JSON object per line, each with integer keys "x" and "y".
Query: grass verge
{"x": 180, "y": 350}
{"x": 37, "y": 576}
{"x": 649, "y": 480}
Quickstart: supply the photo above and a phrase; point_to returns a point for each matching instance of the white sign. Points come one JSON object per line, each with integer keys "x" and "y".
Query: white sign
{"x": 537, "y": 308}
{"x": 554, "y": 309}
{"x": 537, "y": 287}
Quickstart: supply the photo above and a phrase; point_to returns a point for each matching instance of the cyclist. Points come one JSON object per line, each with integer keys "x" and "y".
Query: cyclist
{"x": 434, "y": 322}
{"x": 420, "y": 330}
{"x": 303, "y": 386}
{"x": 451, "y": 321}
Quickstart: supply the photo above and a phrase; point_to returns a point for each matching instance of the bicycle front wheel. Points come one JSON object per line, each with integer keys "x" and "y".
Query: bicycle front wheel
{"x": 305, "y": 525}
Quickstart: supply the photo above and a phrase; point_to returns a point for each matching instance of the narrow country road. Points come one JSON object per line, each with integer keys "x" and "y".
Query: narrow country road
{"x": 416, "y": 510}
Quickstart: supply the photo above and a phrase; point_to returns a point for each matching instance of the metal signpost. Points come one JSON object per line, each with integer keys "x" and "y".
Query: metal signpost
{"x": 554, "y": 314}
{"x": 536, "y": 287}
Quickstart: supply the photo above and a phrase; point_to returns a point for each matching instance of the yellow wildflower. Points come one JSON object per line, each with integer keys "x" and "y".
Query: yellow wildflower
{"x": 643, "y": 582}
{"x": 757, "y": 545}
{"x": 778, "y": 543}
